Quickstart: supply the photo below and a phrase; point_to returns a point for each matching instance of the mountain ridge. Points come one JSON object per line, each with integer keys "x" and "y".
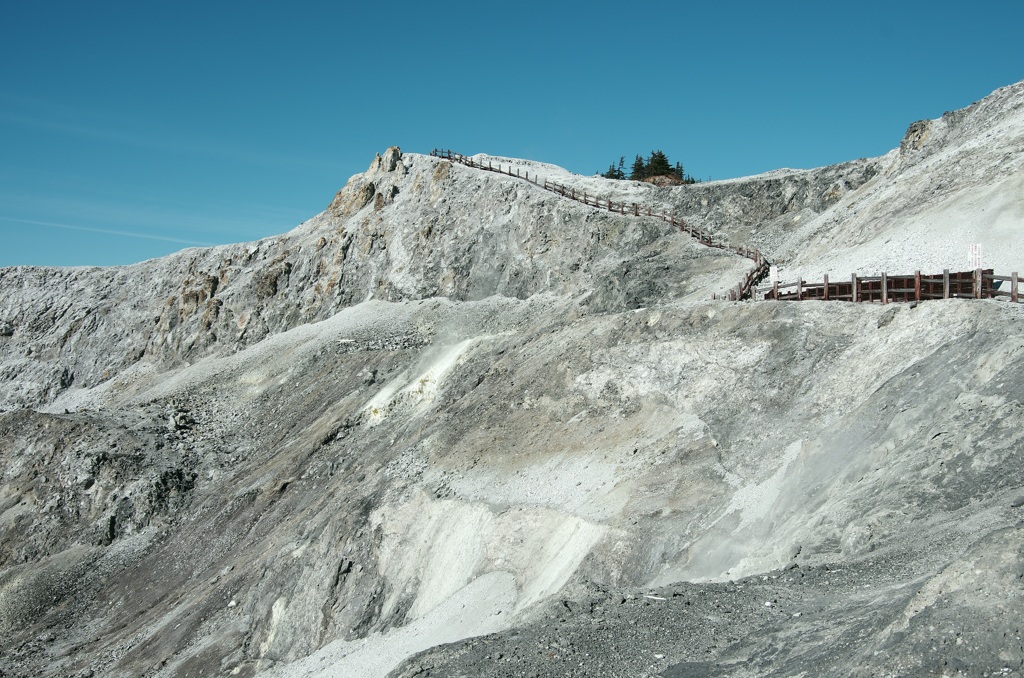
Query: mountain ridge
{"x": 457, "y": 425}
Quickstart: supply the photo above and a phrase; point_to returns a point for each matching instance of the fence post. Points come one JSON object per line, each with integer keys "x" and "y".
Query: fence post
{"x": 775, "y": 290}
{"x": 1013, "y": 287}
{"x": 885, "y": 289}
{"x": 799, "y": 288}
{"x": 945, "y": 283}
{"x": 979, "y": 279}
{"x": 826, "y": 287}
{"x": 853, "y": 287}
{"x": 917, "y": 285}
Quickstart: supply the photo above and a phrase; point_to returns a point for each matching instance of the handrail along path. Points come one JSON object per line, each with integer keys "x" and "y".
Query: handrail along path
{"x": 976, "y": 284}
{"x": 744, "y": 290}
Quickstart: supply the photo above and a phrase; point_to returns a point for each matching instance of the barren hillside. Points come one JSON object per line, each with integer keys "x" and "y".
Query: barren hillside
{"x": 457, "y": 425}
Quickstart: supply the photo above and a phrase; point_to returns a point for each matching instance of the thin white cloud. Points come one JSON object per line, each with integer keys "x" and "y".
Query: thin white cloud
{"x": 106, "y": 231}
{"x": 74, "y": 129}
{"x": 139, "y": 133}
{"x": 210, "y": 221}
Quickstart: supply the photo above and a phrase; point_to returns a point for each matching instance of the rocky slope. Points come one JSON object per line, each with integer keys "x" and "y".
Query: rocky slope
{"x": 457, "y": 425}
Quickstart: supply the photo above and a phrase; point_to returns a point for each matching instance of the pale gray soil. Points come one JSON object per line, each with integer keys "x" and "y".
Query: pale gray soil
{"x": 458, "y": 426}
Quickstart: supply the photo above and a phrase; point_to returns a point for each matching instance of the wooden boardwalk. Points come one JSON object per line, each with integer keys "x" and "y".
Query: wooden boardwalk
{"x": 977, "y": 284}
{"x": 885, "y": 288}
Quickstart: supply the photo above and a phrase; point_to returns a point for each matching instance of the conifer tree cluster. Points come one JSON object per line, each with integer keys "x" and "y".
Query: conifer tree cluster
{"x": 655, "y": 165}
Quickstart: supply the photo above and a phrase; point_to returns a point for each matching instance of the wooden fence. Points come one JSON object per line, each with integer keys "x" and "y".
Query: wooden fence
{"x": 976, "y": 284}
{"x": 744, "y": 290}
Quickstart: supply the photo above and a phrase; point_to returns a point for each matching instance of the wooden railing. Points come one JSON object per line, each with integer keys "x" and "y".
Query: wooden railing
{"x": 744, "y": 290}
{"x": 885, "y": 288}
{"x": 977, "y": 284}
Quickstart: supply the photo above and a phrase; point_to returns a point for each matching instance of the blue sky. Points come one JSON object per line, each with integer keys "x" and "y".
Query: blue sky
{"x": 130, "y": 130}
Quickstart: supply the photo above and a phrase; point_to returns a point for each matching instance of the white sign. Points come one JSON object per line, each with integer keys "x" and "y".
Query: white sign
{"x": 974, "y": 256}
{"x": 773, "y": 274}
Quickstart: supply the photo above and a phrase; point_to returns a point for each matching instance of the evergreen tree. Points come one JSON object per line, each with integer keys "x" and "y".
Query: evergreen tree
{"x": 657, "y": 165}
{"x": 616, "y": 172}
{"x": 639, "y": 169}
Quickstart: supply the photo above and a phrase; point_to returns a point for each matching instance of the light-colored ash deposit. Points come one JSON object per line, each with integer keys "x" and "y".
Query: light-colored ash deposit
{"x": 457, "y": 425}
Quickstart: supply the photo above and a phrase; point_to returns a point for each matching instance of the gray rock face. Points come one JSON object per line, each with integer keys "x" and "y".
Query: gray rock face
{"x": 457, "y": 425}
{"x": 395, "y": 233}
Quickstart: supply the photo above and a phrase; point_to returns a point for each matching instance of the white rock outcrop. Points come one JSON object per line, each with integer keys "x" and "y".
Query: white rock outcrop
{"x": 457, "y": 408}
